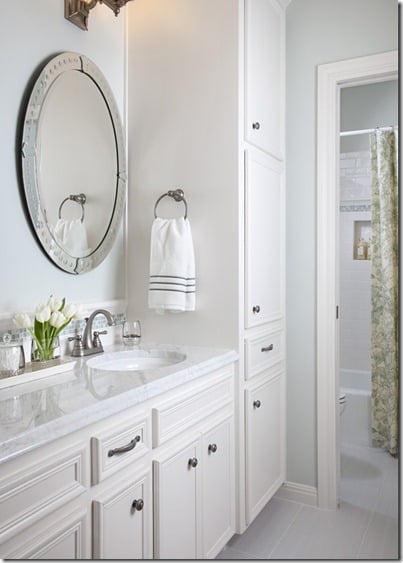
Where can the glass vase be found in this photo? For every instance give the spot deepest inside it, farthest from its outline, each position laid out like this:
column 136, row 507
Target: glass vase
column 45, row 353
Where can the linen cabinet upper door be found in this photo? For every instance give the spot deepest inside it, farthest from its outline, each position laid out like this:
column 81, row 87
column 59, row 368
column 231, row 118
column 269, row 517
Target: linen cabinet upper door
column 264, row 92
column 264, row 245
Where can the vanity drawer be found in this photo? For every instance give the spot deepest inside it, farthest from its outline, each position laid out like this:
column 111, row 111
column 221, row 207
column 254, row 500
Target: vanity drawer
column 186, row 409
column 41, row 487
column 262, row 351
column 118, row 446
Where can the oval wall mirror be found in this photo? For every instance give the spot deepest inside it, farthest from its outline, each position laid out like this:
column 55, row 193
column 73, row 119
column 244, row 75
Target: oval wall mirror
column 73, row 163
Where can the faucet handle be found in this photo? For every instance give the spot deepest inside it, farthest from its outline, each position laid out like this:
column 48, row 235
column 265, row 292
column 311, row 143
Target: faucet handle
column 78, row 348
column 96, row 341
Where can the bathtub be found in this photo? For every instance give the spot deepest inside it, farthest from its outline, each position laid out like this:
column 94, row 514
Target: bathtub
column 355, row 422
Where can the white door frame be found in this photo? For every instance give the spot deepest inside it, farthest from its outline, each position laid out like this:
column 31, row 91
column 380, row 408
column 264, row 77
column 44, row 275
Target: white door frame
column 331, row 78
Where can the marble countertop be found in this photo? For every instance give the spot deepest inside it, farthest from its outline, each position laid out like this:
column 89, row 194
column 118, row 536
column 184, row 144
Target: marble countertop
column 35, row 413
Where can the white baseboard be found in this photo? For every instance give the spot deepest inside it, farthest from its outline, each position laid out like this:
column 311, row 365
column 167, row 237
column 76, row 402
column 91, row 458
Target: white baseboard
column 298, row 493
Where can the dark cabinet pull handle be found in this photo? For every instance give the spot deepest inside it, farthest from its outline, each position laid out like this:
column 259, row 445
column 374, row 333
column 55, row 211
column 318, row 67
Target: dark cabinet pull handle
column 192, row 462
column 256, row 125
column 138, row 504
column 127, row 448
column 267, row 348
column 257, row 404
column 256, row 309
column 212, row 448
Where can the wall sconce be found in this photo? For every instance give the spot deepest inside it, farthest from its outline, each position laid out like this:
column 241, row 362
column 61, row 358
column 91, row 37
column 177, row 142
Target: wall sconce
column 78, row 11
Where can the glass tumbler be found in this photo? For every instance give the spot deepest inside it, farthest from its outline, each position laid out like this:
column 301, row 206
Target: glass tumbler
column 131, row 333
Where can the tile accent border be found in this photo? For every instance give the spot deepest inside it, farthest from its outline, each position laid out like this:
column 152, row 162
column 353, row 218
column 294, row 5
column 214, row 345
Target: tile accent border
column 351, row 207
column 18, row 335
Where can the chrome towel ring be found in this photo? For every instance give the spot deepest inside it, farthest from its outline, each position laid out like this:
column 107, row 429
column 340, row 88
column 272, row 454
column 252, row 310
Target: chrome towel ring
column 78, row 198
column 178, row 195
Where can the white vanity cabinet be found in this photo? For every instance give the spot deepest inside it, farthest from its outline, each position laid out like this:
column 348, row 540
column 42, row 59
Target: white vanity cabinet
column 264, row 75
column 176, row 503
column 43, row 503
column 194, row 483
column 155, row 480
column 122, row 519
column 194, row 495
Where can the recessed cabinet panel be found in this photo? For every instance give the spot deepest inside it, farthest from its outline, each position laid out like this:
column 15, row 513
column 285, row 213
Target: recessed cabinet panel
column 122, row 522
column 264, row 443
column 264, row 40
column 218, row 487
column 176, row 501
column 37, row 490
column 61, row 537
column 264, row 210
column 175, row 415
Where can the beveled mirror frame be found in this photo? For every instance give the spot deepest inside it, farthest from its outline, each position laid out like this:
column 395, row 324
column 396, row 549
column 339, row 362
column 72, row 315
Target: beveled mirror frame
column 66, row 62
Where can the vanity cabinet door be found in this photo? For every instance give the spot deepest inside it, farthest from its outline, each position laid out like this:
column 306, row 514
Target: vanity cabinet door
column 177, row 494
column 123, row 521
column 218, row 487
column 265, row 465
column 264, row 52
column 264, row 208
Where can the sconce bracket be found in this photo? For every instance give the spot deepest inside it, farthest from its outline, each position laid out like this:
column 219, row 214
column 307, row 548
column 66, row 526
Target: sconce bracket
column 77, row 11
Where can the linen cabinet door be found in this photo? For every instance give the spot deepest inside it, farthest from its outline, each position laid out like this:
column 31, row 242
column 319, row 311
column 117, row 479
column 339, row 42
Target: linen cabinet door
column 176, row 503
column 264, row 209
column 264, row 442
column 123, row 522
column 218, row 487
column 264, row 75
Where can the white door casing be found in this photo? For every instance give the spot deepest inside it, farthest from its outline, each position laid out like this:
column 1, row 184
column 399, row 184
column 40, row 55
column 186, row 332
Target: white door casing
column 331, row 78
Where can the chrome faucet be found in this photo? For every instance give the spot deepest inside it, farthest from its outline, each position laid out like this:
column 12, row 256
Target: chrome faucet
column 86, row 345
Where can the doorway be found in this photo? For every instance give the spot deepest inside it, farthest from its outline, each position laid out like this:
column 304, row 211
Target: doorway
column 331, row 78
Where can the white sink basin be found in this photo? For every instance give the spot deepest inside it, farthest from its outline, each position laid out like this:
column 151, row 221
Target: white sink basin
column 135, row 360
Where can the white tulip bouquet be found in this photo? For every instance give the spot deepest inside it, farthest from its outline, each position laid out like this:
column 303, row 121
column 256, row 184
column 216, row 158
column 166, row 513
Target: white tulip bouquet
column 50, row 319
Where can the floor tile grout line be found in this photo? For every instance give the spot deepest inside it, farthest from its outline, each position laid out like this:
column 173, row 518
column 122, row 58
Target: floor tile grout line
column 301, row 506
column 370, row 518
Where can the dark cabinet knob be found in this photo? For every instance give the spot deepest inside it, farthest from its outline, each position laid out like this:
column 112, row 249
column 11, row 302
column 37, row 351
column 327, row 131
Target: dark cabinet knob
column 138, row 504
column 257, row 404
column 212, row 448
column 193, row 462
column 256, row 309
column 256, row 126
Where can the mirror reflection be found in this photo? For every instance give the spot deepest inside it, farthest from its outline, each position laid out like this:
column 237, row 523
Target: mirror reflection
column 73, row 163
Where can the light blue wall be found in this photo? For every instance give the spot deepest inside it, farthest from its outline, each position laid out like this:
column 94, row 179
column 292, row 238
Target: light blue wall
column 318, row 31
column 30, row 33
column 365, row 107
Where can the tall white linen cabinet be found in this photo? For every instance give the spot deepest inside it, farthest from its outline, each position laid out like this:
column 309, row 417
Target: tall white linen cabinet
column 206, row 112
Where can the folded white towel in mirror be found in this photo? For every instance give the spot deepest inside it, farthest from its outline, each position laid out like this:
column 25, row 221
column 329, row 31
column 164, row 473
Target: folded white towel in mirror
column 172, row 266
column 71, row 235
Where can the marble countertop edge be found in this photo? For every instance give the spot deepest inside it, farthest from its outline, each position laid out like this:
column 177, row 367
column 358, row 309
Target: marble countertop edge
column 65, row 424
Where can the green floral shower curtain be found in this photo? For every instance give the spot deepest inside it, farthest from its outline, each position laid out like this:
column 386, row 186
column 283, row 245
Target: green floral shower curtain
column 384, row 290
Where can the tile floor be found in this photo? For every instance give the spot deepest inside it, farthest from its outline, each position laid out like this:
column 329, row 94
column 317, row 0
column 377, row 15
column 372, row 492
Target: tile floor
column 366, row 526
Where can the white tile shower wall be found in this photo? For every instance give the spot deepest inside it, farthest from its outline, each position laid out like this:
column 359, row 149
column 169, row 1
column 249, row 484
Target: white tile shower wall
column 355, row 275
column 355, row 176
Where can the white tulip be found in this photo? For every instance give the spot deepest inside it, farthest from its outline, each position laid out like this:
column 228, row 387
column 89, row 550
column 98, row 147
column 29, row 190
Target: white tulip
column 42, row 313
column 69, row 310
column 57, row 319
column 80, row 313
column 22, row 320
column 53, row 303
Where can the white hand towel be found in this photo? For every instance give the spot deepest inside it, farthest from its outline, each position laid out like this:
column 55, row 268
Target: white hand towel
column 71, row 235
column 172, row 266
